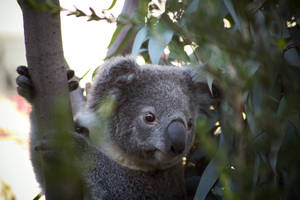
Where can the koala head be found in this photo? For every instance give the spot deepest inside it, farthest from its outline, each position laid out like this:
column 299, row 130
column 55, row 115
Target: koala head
column 154, row 114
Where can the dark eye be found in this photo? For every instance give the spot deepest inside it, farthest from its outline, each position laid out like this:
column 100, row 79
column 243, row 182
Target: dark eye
column 149, row 117
column 190, row 123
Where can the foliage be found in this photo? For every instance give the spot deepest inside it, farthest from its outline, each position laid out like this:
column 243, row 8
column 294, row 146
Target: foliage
column 250, row 49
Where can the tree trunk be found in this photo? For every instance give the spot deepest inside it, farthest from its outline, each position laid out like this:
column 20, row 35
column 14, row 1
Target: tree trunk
column 52, row 111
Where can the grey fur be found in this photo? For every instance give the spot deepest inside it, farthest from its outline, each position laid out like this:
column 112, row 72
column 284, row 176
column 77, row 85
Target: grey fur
column 131, row 158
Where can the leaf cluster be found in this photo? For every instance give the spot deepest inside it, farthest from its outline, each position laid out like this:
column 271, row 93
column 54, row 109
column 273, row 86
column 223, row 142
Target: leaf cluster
column 251, row 50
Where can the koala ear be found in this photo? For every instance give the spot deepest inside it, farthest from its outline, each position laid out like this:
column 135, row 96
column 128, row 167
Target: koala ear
column 117, row 71
column 112, row 76
column 207, row 102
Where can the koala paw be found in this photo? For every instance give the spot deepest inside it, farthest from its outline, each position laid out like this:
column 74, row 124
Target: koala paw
column 73, row 84
column 25, row 85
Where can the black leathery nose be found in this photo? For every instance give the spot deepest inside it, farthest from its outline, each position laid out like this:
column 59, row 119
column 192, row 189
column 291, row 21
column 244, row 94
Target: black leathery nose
column 176, row 134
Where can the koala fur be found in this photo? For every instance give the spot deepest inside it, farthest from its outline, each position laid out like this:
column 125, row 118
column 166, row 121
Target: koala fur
column 138, row 153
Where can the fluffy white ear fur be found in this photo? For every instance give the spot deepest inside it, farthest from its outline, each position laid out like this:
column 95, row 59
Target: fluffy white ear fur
column 86, row 118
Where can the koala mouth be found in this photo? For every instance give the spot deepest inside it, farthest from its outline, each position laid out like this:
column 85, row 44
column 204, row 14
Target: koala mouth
column 162, row 156
column 162, row 160
column 173, row 148
column 165, row 159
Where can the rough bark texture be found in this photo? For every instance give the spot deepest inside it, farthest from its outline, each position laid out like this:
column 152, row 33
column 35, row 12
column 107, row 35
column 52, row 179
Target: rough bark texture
column 47, row 68
column 130, row 7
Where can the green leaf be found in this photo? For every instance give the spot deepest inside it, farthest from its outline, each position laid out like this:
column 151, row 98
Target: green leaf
column 193, row 7
column 232, row 12
column 209, row 82
column 113, row 3
column 257, row 99
column 275, row 147
column 292, row 57
column 282, row 106
column 140, row 38
column 251, row 120
column 37, row 197
column 116, row 33
column 157, row 45
column 208, row 179
column 85, row 74
column 131, row 32
column 223, row 10
column 256, row 5
column 255, row 171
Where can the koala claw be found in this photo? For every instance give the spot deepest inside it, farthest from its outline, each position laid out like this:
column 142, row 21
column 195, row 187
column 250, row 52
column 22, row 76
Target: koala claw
column 73, row 85
column 27, row 94
column 23, row 70
column 25, row 86
column 24, row 81
column 70, row 74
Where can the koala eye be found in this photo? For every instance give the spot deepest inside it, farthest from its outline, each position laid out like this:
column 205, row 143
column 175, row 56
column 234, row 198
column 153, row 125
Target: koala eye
column 149, row 117
column 190, row 123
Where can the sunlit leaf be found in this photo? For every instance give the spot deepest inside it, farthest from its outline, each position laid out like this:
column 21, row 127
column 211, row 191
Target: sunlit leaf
column 115, row 35
column 210, row 82
column 157, row 45
column 140, row 38
column 130, row 34
column 232, row 12
column 113, row 3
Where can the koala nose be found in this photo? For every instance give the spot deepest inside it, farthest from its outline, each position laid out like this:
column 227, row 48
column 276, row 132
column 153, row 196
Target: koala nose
column 176, row 134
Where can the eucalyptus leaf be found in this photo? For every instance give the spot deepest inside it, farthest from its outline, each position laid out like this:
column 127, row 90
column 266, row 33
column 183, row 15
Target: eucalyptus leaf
column 255, row 171
column 112, row 5
column 223, row 10
column 292, row 56
column 208, row 179
column 258, row 94
column 232, row 12
column 275, row 147
column 193, row 7
column 210, row 82
column 140, row 38
column 157, row 45
column 251, row 121
column 115, row 34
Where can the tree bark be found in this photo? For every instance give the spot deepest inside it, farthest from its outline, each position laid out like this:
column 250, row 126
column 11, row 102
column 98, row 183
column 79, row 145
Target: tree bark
column 52, row 108
column 52, row 111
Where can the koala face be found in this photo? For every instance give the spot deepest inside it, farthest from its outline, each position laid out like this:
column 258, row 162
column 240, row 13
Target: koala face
column 154, row 117
column 156, row 106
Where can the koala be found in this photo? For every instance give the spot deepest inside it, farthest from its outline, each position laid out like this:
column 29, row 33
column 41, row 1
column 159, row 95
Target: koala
column 137, row 153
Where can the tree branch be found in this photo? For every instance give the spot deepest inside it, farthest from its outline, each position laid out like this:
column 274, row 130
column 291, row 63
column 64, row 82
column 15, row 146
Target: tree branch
column 130, row 7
